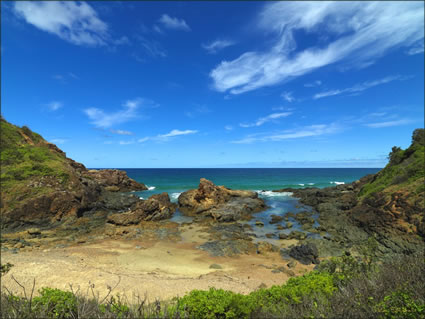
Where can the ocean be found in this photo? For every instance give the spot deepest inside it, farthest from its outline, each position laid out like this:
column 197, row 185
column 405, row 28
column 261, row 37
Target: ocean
column 262, row 180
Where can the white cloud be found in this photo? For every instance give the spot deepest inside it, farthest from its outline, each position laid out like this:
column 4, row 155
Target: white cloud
column 151, row 47
column 288, row 96
column 313, row 84
column 217, row 45
column 173, row 23
column 177, row 133
column 167, row 136
column 364, row 31
column 268, row 118
column 358, row 87
column 126, row 142
column 105, row 120
column 307, row 131
column 419, row 48
column 121, row 132
column 144, row 139
column 75, row 22
column 55, row 105
column 228, row 127
column 389, row 123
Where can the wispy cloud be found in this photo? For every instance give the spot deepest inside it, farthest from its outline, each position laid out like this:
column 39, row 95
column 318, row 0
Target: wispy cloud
column 217, row 45
column 121, row 132
column 75, row 22
column 313, row 84
column 418, row 48
column 151, row 47
column 55, row 105
column 358, row 87
column 288, row 96
column 199, row 110
column 228, row 127
column 360, row 33
column 102, row 119
column 307, row 131
column 173, row 23
column 167, row 136
column 268, row 118
column 126, row 142
column 389, row 123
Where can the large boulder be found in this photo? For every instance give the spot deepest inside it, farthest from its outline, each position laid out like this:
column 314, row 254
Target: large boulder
column 157, row 207
column 305, row 254
column 219, row 202
column 115, row 180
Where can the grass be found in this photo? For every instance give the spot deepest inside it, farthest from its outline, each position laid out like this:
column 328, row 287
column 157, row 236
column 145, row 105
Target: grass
column 26, row 160
column 342, row 287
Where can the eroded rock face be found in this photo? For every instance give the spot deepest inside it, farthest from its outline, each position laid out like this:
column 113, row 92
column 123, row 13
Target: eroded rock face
column 219, row 202
column 115, row 180
column 157, row 207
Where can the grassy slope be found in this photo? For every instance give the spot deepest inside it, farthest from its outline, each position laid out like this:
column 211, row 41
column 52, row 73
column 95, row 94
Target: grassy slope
column 30, row 166
column 404, row 173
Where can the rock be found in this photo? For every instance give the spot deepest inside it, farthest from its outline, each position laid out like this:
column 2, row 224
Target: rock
column 259, row 223
column 283, row 236
column 297, row 235
column 19, row 245
column 157, row 207
column 115, row 180
column 215, row 266
column 269, row 235
column 306, row 254
column 276, row 219
column 292, row 264
column 34, row 231
column 289, row 225
column 219, row 202
column 264, row 247
column 228, row 248
column 280, row 227
column 112, row 188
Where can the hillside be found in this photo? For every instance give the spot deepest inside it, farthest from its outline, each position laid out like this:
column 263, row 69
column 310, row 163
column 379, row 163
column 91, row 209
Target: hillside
column 40, row 184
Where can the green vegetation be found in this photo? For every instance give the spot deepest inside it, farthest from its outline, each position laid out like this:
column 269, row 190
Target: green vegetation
column 404, row 172
column 342, row 287
column 26, row 159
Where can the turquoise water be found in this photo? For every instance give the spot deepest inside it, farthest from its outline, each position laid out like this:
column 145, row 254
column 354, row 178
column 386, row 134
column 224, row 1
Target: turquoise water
column 262, row 180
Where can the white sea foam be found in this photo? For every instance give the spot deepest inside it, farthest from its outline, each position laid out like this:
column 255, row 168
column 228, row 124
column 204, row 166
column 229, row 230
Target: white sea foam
column 151, row 188
column 338, row 183
column 175, row 195
column 310, row 183
column 301, row 184
column 141, row 197
column 274, row 194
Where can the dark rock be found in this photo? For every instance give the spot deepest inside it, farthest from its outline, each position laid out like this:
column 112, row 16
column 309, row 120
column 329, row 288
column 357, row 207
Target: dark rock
column 115, row 180
column 219, row 202
column 292, row 264
column 276, row 219
column 156, row 207
column 306, row 254
column 215, row 266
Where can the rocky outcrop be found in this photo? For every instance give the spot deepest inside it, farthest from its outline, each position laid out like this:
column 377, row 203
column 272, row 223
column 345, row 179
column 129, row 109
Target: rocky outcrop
column 219, row 202
column 306, row 254
column 115, row 180
column 41, row 186
column 157, row 207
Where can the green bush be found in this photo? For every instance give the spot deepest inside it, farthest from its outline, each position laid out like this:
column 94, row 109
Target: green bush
column 400, row 304
column 116, row 307
column 215, row 303
column 57, row 303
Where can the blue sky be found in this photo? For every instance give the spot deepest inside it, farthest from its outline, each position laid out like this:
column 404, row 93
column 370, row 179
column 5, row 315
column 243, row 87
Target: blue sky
column 216, row 84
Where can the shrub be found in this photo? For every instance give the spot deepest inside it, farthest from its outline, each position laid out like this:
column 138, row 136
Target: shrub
column 400, row 304
column 56, row 302
column 215, row 303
